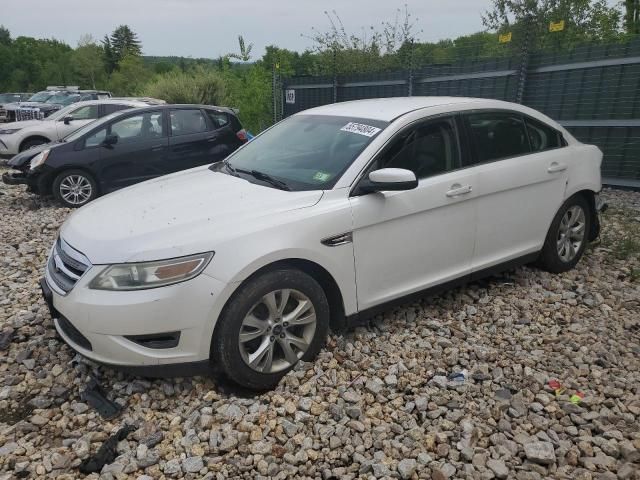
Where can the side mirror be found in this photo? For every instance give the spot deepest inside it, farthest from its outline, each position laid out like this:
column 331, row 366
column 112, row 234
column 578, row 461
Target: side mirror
column 68, row 119
column 110, row 140
column 388, row 179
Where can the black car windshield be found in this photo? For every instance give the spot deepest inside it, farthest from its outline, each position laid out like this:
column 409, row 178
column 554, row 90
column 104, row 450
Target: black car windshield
column 305, row 152
column 40, row 97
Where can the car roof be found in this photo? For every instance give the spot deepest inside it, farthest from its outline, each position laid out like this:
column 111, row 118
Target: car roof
column 388, row 109
column 109, row 101
column 175, row 106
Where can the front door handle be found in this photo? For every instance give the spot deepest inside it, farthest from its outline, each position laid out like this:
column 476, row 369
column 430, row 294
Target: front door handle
column 556, row 167
column 457, row 189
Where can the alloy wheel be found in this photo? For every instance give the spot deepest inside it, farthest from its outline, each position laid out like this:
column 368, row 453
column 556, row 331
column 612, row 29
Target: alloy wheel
column 571, row 233
column 75, row 189
column 277, row 331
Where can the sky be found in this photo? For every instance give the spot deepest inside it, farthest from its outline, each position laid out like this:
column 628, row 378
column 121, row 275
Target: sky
column 210, row 28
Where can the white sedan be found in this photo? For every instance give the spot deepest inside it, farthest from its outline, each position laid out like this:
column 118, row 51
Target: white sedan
column 17, row 137
column 322, row 220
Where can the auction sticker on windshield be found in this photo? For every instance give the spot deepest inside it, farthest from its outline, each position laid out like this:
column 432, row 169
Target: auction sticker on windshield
column 360, row 129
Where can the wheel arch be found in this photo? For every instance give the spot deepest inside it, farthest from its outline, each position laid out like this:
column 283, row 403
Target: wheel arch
column 590, row 197
column 33, row 137
column 318, row 273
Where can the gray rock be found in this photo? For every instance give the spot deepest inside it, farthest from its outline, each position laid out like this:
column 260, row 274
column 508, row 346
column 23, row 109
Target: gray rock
column 407, row 467
column 498, row 467
column 540, row 452
column 192, row 464
column 172, row 467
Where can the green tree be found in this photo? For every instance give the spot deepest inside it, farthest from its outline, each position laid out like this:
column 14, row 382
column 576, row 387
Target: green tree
column 201, row 85
column 108, row 55
column 129, row 77
column 632, row 16
column 124, row 42
column 585, row 20
column 87, row 62
column 5, row 36
column 245, row 51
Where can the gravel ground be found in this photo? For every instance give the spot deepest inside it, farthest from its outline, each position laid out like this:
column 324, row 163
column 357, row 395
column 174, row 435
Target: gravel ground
column 376, row 403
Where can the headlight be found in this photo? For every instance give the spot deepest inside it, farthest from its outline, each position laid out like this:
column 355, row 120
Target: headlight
column 139, row 276
column 8, row 131
column 39, row 159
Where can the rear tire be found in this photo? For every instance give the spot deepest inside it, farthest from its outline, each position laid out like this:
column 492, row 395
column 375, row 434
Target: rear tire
column 567, row 237
column 74, row 188
column 270, row 323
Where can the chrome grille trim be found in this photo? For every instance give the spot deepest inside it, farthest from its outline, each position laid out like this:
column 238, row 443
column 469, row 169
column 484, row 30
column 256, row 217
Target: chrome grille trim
column 65, row 266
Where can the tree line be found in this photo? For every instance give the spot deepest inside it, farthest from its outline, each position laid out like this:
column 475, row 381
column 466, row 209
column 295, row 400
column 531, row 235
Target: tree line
column 115, row 62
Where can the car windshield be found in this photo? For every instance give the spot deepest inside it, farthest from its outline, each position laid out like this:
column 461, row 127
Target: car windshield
column 72, row 137
column 9, row 97
column 40, row 97
column 305, row 152
column 61, row 113
column 62, row 98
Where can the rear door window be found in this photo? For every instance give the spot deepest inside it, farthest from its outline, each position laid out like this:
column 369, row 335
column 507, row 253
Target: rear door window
column 187, row 121
column 498, row 135
column 218, row 119
column 541, row 136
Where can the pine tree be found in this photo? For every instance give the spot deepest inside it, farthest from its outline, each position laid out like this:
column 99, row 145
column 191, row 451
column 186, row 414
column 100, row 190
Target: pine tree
column 110, row 60
column 124, row 41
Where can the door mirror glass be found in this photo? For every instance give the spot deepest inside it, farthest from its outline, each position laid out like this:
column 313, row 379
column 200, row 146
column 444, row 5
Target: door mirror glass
column 68, row 119
column 110, row 140
column 389, row 179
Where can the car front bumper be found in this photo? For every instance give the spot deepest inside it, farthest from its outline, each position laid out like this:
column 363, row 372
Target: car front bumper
column 119, row 328
column 8, row 146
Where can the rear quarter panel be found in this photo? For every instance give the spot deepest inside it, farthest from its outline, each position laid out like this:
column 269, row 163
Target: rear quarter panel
column 584, row 169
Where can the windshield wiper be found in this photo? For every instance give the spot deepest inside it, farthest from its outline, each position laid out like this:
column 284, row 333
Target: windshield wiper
column 265, row 177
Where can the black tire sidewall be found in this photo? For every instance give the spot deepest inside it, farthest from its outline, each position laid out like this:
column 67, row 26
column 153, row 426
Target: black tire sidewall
column 549, row 258
column 225, row 351
column 58, row 180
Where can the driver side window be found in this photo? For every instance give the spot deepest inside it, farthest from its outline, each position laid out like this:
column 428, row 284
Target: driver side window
column 88, row 112
column 428, row 149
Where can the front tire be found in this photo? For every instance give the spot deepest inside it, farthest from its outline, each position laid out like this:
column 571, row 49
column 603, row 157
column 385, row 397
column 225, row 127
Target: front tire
column 74, row 188
column 567, row 237
column 270, row 323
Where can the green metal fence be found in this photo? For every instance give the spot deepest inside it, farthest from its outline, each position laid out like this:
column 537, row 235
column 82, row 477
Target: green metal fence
column 594, row 91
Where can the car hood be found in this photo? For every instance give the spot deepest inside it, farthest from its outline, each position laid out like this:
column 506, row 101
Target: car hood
column 176, row 215
column 25, row 124
column 25, row 156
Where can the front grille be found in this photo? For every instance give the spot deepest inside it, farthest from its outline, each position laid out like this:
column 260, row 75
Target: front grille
column 66, row 265
column 73, row 333
column 29, row 114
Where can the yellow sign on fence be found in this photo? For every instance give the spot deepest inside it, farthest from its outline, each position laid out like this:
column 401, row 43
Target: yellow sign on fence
column 505, row 38
column 557, row 26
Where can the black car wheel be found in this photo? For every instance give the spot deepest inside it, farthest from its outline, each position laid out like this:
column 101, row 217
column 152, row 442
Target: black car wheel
column 568, row 236
column 74, row 188
column 270, row 323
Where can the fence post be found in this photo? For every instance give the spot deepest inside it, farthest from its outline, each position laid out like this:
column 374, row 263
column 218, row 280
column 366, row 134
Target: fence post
column 410, row 78
column 274, row 93
column 524, row 60
column 335, row 77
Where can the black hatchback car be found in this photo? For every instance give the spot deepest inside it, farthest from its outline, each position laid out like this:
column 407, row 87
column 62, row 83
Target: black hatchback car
column 126, row 148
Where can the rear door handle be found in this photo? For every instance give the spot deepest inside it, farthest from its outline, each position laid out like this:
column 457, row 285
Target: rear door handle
column 157, row 148
column 213, row 138
column 457, row 189
column 556, row 167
